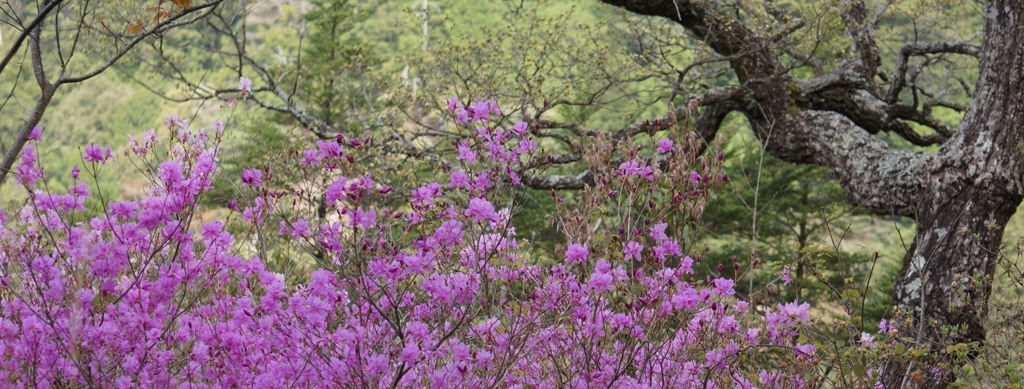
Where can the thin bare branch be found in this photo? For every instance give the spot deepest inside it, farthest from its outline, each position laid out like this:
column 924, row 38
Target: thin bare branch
column 27, row 30
column 919, row 49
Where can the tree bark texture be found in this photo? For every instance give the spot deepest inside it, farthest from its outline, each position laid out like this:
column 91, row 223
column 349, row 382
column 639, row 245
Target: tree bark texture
column 961, row 197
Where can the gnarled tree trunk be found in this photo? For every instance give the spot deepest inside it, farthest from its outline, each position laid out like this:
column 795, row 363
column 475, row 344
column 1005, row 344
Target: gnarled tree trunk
column 972, row 188
column 961, row 197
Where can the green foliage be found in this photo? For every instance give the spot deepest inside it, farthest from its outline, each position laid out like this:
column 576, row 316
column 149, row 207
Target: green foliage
column 105, row 112
column 526, row 55
column 256, row 143
column 334, row 66
column 792, row 216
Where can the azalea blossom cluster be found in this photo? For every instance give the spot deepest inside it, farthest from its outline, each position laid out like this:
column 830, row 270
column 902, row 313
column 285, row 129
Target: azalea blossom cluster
column 438, row 292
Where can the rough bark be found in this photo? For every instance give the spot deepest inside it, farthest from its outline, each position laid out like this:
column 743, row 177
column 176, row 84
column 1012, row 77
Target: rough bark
column 974, row 187
column 961, row 197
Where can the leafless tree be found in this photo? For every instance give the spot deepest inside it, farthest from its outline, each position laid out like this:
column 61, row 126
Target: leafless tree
column 58, row 29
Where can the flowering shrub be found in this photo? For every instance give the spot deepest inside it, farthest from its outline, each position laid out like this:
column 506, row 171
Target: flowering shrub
column 436, row 293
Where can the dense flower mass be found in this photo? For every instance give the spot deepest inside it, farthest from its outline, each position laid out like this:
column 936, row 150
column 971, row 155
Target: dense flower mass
column 437, row 293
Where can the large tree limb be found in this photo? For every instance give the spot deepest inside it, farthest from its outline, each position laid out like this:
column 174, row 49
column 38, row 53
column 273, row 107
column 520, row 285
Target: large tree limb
column 828, row 139
column 874, row 177
column 848, row 94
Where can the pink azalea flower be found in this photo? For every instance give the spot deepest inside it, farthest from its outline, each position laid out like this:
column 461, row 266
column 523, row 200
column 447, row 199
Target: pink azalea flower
column 245, row 85
column 724, row 286
column 252, row 177
column 665, row 146
column 694, row 177
column 576, row 253
column 632, row 251
column 36, row 134
column 94, row 153
column 481, row 209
